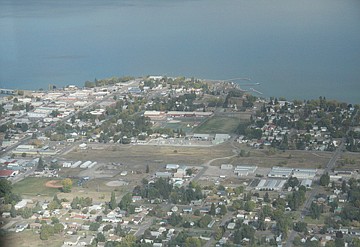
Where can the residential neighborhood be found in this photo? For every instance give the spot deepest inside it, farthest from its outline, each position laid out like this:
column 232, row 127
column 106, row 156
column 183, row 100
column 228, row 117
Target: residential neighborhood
column 162, row 161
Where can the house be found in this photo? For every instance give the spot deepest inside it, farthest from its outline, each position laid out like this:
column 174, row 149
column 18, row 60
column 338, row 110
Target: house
column 155, row 234
column 231, row 226
column 8, row 173
column 83, row 146
column 86, row 241
column 5, row 215
column 187, row 210
column 163, row 174
column 22, row 203
column 210, row 225
column 136, row 198
column 71, row 240
column 170, row 167
column 21, row 227
column 137, row 220
column 226, row 167
column 35, row 225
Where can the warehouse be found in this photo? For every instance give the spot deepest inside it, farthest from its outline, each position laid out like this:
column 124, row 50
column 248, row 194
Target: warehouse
column 226, row 167
column 270, row 184
column 280, row 172
column 304, row 173
column 245, row 170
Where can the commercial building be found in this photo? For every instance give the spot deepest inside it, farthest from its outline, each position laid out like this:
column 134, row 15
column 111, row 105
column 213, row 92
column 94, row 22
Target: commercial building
column 245, row 170
column 226, row 167
column 280, row 172
column 304, row 173
column 271, row 184
column 220, row 138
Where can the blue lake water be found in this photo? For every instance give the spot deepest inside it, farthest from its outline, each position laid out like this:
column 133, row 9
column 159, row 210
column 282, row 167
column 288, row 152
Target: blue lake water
column 298, row 49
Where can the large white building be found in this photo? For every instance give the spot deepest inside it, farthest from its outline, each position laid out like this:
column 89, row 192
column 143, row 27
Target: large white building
column 245, row 170
column 270, row 184
column 280, row 172
column 304, row 173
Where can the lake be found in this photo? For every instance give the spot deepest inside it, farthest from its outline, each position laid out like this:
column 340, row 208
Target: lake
column 297, row 49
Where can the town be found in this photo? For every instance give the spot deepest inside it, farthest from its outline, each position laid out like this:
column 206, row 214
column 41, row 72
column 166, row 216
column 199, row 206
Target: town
column 175, row 161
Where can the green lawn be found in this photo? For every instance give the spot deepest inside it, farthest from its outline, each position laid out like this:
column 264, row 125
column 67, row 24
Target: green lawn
column 34, row 186
column 218, row 125
column 312, row 221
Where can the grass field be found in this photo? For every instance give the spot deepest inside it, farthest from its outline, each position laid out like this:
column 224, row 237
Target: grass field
column 187, row 124
column 218, row 125
column 34, row 186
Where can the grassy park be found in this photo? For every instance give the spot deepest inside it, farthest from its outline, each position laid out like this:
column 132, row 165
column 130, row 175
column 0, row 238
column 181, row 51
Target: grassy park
column 34, row 186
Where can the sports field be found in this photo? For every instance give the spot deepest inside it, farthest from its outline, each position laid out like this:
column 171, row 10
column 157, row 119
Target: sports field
column 34, row 186
column 218, row 125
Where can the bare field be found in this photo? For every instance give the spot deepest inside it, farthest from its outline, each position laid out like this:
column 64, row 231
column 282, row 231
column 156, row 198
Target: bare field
column 137, row 157
column 29, row 238
column 352, row 164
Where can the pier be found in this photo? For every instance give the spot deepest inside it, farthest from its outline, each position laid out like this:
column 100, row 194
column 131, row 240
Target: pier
column 256, row 91
column 7, row 91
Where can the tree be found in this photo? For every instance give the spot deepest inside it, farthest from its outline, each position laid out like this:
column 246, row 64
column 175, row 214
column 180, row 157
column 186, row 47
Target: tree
column 13, row 211
column 300, row 227
column 189, row 172
column 325, row 179
column 175, row 219
column 223, row 209
column 344, row 187
column 128, row 240
column 249, row 206
column 46, row 231
column 58, row 228
column 204, row 221
column 107, row 227
column 212, row 209
column 315, row 211
column 192, row 242
column 5, row 187
column 112, row 203
column 266, row 197
column 44, row 234
column 94, row 226
column 293, row 181
column 218, row 233
column 197, row 212
column 40, row 165
column 339, row 242
column 125, row 201
column 100, row 237
column 66, row 185
column 54, row 220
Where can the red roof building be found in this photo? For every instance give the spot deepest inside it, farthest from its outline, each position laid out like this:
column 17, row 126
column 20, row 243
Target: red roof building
column 7, row 173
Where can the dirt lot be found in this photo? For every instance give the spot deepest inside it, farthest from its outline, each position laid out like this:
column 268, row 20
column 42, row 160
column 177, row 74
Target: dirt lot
column 53, row 184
